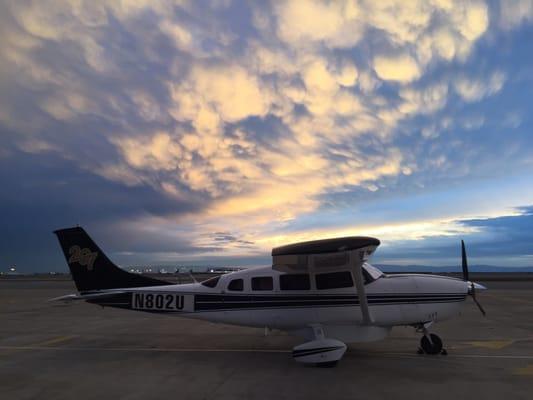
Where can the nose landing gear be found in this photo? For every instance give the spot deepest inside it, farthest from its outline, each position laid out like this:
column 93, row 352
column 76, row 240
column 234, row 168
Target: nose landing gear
column 430, row 343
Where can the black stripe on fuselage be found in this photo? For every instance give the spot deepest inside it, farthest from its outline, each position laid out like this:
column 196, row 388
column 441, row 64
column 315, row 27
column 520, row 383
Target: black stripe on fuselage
column 224, row 302
column 244, row 302
column 201, row 298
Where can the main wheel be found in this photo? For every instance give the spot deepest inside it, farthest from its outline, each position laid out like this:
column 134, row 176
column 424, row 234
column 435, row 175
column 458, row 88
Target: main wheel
column 431, row 347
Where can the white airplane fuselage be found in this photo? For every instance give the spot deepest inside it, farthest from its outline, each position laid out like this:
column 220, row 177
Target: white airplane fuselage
column 406, row 299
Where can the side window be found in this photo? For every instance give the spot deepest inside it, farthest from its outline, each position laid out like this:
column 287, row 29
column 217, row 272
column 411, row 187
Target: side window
column 334, row 280
column 211, row 282
column 236, row 284
column 262, row 283
column 294, row 282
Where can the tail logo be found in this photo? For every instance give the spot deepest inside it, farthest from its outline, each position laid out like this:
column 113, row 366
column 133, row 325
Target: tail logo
column 85, row 257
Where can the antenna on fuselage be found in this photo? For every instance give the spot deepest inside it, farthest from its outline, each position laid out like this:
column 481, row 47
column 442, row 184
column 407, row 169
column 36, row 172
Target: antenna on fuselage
column 192, row 276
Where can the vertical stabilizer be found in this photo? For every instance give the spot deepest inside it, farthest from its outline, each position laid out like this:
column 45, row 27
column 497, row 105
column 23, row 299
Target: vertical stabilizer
column 90, row 267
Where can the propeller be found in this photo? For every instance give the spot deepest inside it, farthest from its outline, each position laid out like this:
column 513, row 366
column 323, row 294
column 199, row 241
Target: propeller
column 472, row 290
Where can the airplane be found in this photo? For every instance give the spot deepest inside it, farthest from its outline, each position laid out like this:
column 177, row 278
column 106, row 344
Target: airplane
column 324, row 291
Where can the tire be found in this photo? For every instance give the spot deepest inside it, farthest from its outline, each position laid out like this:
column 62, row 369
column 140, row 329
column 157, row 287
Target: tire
column 433, row 347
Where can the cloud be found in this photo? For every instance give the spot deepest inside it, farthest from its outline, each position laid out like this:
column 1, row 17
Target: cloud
column 347, row 75
column 512, row 120
column 473, row 122
column 430, row 30
column 158, row 152
column 424, row 101
column 475, row 89
column 397, row 234
column 317, row 78
column 333, row 23
column 230, row 90
column 476, row 20
column 402, row 68
column 507, row 234
column 172, row 154
column 515, row 12
column 245, row 115
column 36, row 146
column 67, row 106
column 57, row 193
column 502, row 241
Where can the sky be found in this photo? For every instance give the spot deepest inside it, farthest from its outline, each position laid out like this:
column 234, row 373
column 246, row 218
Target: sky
column 208, row 132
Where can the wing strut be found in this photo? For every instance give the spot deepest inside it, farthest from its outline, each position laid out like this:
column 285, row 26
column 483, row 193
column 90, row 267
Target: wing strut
column 360, row 285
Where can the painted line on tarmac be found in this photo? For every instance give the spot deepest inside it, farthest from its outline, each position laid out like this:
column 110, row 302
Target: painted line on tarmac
column 147, row 349
column 56, row 340
column 440, row 357
column 200, row 350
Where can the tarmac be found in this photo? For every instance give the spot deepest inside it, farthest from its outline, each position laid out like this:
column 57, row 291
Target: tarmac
column 81, row 351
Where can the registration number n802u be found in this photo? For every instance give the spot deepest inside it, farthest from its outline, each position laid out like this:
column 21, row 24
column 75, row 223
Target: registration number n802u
column 156, row 301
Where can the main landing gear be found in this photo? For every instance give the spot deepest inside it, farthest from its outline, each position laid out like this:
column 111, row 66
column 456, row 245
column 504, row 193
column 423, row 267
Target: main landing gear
column 430, row 343
column 321, row 352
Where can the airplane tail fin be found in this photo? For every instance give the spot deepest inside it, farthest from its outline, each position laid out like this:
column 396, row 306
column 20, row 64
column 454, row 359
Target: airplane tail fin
column 90, row 267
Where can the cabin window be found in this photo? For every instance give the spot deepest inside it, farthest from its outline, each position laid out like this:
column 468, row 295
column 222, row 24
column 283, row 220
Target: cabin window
column 236, row 284
column 294, row 282
column 334, row 280
column 211, row 282
column 262, row 283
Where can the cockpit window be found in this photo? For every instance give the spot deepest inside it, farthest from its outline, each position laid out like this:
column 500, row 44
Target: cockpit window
column 211, row 282
column 372, row 271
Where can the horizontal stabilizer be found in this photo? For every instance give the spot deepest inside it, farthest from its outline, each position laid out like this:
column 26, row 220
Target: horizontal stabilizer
column 74, row 297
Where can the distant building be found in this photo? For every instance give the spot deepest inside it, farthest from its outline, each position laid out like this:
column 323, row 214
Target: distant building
column 12, row 270
column 223, row 270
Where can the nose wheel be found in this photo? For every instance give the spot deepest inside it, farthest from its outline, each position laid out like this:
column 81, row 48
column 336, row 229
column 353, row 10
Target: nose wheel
column 429, row 343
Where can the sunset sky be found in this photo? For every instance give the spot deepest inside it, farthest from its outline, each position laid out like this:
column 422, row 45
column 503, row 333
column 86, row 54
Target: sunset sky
column 208, row 132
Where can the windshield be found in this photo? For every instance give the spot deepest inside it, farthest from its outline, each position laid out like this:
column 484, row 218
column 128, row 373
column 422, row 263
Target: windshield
column 211, row 282
column 372, row 271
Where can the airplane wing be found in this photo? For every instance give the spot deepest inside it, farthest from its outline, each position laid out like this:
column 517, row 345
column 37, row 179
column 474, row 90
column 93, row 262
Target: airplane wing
column 326, row 256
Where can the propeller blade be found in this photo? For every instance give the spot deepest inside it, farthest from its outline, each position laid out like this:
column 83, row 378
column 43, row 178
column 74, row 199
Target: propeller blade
column 472, row 291
column 480, row 308
column 478, row 304
column 465, row 263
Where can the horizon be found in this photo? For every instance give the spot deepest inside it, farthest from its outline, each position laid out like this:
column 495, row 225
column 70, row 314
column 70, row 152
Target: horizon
column 204, row 268
column 214, row 131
